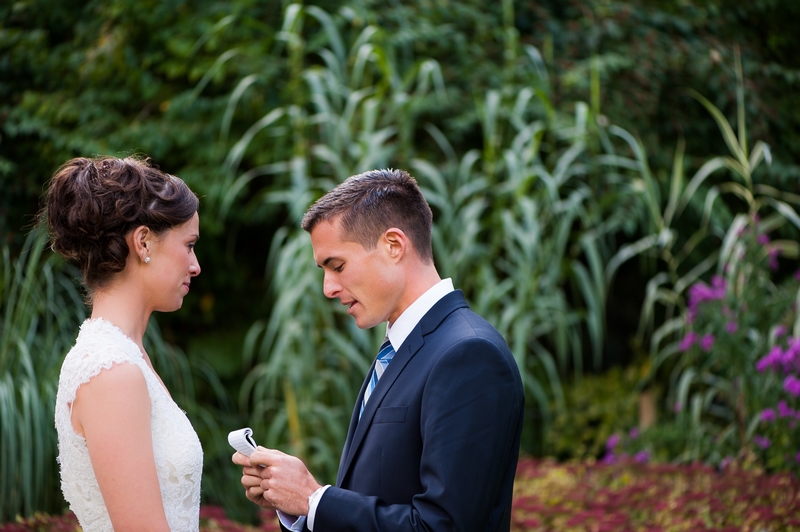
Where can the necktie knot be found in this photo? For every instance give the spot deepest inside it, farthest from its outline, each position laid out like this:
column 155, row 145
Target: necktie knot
column 386, row 353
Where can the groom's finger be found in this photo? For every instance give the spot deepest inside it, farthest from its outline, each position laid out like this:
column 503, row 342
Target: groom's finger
column 257, row 472
column 240, row 459
column 252, row 484
column 264, row 457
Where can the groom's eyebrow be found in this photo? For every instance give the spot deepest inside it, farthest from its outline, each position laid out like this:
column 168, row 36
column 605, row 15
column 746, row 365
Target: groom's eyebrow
column 326, row 261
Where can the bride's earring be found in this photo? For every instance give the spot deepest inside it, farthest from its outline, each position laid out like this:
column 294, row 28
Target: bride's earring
column 146, row 260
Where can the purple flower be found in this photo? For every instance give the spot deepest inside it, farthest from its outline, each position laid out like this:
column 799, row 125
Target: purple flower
column 634, row 433
column 798, row 457
column 608, row 459
column 768, row 414
column 717, row 290
column 731, row 327
column 677, row 407
column 761, row 441
column 773, row 258
column 770, row 360
column 641, row 457
column 701, row 292
column 792, row 385
column 725, row 462
column 790, row 359
column 707, row 342
column 797, row 275
column 612, row 442
column 688, row 340
column 780, row 330
column 763, row 239
column 785, row 410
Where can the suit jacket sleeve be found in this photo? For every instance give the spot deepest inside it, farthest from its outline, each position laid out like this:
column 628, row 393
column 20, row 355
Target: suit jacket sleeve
column 469, row 421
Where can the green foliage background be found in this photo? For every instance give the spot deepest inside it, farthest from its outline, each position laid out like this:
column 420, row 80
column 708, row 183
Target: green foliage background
column 547, row 136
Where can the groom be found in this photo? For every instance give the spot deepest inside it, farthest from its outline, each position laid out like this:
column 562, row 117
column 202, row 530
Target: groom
column 434, row 436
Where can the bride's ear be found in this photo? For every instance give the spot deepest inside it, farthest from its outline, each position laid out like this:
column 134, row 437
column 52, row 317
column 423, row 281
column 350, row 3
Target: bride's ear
column 140, row 243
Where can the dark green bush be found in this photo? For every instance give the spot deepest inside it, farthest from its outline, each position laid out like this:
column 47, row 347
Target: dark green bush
column 596, row 406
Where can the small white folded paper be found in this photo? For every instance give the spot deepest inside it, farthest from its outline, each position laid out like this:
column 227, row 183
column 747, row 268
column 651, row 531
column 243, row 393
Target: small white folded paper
column 242, row 440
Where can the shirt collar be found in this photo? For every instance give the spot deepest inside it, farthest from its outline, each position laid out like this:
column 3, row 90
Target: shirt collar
column 403, row 325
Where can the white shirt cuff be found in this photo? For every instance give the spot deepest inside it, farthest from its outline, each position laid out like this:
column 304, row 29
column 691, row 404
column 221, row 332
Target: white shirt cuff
column 313, row 502
column 291, row 522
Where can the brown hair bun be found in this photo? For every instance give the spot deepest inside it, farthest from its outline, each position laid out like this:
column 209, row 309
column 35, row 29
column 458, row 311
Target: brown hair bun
column 92, row 204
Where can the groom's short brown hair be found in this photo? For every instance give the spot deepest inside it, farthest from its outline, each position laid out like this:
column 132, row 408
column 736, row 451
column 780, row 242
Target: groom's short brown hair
column 370, row 203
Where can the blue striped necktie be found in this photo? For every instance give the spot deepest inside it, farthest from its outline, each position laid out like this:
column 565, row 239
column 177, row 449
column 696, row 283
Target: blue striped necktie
column 381, row 363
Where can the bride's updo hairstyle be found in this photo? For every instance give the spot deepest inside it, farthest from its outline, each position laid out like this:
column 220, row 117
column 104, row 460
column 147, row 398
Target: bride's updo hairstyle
column 92, row 204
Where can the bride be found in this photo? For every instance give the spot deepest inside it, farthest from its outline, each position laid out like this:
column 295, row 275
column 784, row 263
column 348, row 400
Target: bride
column 130, row 459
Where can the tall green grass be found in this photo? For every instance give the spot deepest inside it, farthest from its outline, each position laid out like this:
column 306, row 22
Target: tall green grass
column 515, row 234
column 41, row 309
column 524, row 226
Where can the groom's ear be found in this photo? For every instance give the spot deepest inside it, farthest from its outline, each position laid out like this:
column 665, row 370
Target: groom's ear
column 395, row 243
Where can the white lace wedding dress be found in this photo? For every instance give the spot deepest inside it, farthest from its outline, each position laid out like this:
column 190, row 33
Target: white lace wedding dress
column 177, row 450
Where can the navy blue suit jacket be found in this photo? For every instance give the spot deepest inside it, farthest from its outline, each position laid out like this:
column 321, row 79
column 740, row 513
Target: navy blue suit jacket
column 437, row 445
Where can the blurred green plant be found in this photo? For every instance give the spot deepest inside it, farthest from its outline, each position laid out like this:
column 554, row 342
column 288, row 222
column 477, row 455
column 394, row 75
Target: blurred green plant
column 39, row 314
column 733, row 383
column 521, row 231
column 706, row 339
column 729, row 328
column 596, row 406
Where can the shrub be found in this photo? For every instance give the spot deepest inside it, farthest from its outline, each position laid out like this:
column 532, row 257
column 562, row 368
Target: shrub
column 628, row 496
column 737, row 373
column 595, row 406
column 713, row 311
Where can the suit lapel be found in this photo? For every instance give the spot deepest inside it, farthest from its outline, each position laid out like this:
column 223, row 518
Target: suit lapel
column 353, row 424
column 411, row 346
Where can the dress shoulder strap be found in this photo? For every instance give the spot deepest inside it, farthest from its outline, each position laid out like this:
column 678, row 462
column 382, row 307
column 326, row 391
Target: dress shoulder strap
column 99, row 345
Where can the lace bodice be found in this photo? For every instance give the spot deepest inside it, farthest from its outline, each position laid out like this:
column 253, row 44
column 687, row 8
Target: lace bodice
column 177, row 450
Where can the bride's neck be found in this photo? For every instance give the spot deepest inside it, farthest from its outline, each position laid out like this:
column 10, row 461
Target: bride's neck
column 124, row 308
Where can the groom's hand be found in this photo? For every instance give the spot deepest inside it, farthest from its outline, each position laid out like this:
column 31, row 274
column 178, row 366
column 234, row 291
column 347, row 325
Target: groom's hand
column 251, row 480
column 286, row 483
